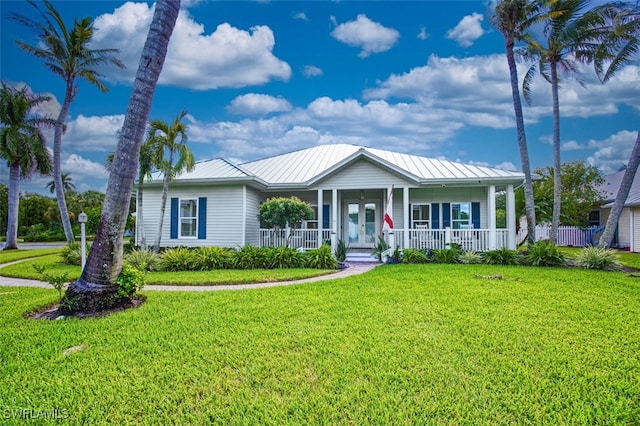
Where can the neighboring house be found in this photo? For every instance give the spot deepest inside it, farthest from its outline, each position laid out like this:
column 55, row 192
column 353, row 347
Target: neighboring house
column 627, row 234
column 432, row 202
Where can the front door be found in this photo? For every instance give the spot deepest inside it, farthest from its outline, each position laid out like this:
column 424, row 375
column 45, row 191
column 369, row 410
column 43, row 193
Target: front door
column 362, row 219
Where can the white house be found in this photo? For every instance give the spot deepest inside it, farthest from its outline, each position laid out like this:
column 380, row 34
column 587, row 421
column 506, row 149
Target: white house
column 432, row 202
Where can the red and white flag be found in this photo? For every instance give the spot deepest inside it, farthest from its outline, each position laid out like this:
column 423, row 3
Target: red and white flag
column 388, row 220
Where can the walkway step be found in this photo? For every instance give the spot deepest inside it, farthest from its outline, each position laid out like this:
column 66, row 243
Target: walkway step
column 361, row 258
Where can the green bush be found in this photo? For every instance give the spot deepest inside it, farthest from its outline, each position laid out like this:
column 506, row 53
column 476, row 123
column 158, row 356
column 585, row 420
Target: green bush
column 177, row 259
column 144, row 260
column 284, row 257
column 470, row 257
column 130, row 281
column 449, row 255
column 341, row 251
column 249, row 257
column 598, row 258
column 414, row 256
column 321, row 258
column 544, row 253
column 503, row 256
column 38, row 233
column 210, row 258
column 71, row 254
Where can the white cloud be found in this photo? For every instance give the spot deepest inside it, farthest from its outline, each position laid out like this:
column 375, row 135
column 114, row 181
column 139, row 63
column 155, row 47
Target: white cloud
column 370, row 36
column 612, row 152
column 76, row 165
column 468, row 30
column 228, row 57
column 311, row 71
column 505, row 165
column 258, row 104
column 423, row 35
column 301, row 15
column 95, row 133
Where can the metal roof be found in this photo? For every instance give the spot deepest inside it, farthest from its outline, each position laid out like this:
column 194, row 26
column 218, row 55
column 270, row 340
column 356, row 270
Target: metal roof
column 306, row 166
column 611, row 186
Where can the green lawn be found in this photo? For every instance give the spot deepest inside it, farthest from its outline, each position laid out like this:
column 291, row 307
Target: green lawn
column 53, row 264
column 402, row 344
column 7, row 256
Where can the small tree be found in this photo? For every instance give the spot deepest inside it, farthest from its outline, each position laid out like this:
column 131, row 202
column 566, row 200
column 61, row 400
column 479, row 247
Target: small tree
column 280, row 212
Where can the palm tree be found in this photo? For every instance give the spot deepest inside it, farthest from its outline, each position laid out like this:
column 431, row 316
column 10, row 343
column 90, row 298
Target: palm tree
column 67, row 184
column 169, row 139
column 66, row 54
column 513, row 18
column 570, row 37
column 96, row 289
column 23, row 145
column 623, row 25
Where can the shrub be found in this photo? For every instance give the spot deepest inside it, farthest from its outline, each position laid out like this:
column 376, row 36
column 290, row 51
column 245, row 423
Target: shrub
column 177, row 259
column 249, row 257
column 72, row 255
column 447, row 255
column 503, row 256
column 597, row 258
column 380, row 248
column 284, row 257
column 209, row 258
column 144, row 260
column 58, row 281
column 341, row 251
column 469, row 257
column 321, row 258
column 544, row 253
column 414, row 256
column 130, row 281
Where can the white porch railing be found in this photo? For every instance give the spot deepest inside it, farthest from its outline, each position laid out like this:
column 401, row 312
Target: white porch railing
column 295, row 238
column 567, row 236
column 468, row 239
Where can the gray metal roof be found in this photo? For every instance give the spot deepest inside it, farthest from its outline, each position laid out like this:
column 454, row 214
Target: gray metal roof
column 306, row 166
column 611, row 186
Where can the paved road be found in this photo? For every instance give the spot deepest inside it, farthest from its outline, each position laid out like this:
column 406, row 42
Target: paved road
column 353, row 269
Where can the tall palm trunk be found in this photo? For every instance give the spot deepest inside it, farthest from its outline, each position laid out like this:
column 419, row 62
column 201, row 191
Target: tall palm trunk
column 12, row 214
column 57, row 170
column 529, row 204
column 142, row 236
column 96, row 289
column 163, row 203
column 621, row 197
column 557, row 178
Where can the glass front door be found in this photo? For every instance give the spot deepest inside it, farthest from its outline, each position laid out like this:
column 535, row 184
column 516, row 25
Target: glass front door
column 362, row 221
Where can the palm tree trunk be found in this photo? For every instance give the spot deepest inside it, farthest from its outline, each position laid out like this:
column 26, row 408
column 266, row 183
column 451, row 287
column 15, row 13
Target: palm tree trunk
column 139, row 219
column 57, row 170
column 163, row 203
column 557, row 178
column 96, row 289
column 621, row 197
column 529, row 204
column 14, row 201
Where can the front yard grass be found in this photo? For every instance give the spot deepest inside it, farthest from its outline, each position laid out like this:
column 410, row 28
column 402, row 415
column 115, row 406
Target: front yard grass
column 54, row 265
column 7, row 256
column 402, row 344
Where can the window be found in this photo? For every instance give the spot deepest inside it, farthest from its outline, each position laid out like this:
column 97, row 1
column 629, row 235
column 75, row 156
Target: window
column 460, row 215
column 311, row 223
column 189, row 218
column 594, row 218
column 420, row 215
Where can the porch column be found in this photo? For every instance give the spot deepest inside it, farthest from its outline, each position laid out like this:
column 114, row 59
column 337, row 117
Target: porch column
column 320, row 217
column 491, row 216
column 632, row 245
column 405, row 216
column 334, row 220
column 511, row 218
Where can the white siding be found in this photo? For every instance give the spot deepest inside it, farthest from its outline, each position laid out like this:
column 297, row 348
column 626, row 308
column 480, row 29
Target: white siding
column 224, row 216
column 362, row 174
column 624, row 230
column 452, row 195
column 636, row 229
column 252, row 223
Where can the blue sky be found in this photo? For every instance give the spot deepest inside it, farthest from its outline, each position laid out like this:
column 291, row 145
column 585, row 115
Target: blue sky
column 261, row 78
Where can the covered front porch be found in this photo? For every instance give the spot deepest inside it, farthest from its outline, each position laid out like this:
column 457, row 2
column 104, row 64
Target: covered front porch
column 433, row 218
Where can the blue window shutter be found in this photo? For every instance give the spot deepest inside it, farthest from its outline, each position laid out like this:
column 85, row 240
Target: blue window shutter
column 326, row 219
column 174, row 218
column 410, row 217
column 202, row 218
column 475, row 215
column 435, row 216
column 446, row 215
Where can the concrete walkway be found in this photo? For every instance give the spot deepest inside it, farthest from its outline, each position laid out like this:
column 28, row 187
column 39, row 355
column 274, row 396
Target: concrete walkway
column 353, row 269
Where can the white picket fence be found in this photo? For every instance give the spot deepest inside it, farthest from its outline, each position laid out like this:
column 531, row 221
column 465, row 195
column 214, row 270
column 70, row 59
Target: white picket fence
column 567, row 236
